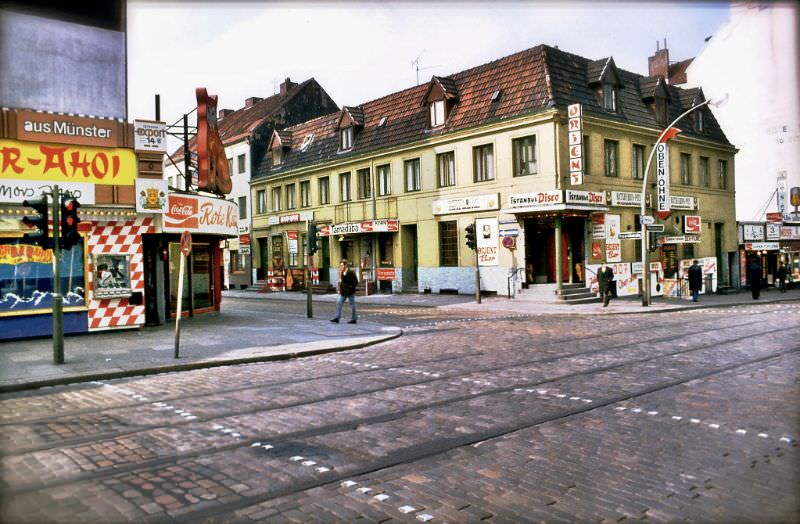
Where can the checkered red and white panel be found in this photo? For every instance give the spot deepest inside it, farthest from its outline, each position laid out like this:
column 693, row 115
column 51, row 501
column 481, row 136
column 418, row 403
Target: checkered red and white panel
column 118, row 238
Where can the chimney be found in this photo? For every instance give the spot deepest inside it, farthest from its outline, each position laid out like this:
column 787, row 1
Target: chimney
column 658, row 64
column 250, row 102
column 286, row 86
column 222, row 113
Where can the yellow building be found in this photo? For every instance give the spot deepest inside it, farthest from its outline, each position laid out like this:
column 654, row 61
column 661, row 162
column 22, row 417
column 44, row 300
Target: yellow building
column 404, row 175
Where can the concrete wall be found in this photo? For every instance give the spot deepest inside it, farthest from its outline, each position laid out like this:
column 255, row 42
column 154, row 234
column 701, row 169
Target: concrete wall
column 63, row 67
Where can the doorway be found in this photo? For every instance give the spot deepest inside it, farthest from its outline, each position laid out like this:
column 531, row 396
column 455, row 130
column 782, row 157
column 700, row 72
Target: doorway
column 410, row 257
column 540, row 249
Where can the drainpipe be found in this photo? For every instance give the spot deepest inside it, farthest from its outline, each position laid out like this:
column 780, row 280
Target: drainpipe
column 374, row 188
column 559, row 257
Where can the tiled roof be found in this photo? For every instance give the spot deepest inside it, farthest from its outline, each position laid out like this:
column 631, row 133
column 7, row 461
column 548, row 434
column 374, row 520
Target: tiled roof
column 449, row 86
column 236, row 126
column 356, row 113
column 677, row 71
column 285, row 137
column 530, row 81
column 649, row 86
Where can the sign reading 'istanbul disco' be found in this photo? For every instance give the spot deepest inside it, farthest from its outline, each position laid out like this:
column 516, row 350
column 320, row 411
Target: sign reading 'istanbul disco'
column 199, row 214
column 67, row 163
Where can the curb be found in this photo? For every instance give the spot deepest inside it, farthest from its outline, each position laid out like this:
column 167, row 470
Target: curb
column 204, row 364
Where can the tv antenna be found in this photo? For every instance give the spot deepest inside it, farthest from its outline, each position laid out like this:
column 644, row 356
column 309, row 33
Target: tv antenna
column 417, row 68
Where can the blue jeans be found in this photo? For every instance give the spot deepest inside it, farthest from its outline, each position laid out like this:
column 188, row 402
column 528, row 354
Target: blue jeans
column 695, row 295
column 340, row 302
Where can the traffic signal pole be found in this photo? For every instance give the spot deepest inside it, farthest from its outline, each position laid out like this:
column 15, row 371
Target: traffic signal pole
column 58, row 300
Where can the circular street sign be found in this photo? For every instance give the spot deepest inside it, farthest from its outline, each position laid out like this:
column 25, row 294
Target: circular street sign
column 508, row 242
column 186, row 243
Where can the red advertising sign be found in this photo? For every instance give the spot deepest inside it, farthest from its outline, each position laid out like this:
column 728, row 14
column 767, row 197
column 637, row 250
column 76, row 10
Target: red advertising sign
column 182, row 212
column 385, row 273
column 691, row 225
column 774, row 217
column 244, row 240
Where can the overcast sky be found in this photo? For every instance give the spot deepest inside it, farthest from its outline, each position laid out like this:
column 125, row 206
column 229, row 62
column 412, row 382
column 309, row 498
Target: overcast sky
column 364, row 50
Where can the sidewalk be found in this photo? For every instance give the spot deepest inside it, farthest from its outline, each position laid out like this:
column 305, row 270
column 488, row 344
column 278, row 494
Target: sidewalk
column 239, row 336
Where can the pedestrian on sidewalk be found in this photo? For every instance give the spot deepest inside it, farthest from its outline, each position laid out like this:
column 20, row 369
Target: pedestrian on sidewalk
column 695, row 280
column 754, row 276
column 781, row 275
column 605, row 279
column 347, row 291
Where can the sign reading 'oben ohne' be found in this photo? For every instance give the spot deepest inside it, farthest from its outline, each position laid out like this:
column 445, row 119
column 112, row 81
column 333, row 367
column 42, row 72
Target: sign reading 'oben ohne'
column 662, row 179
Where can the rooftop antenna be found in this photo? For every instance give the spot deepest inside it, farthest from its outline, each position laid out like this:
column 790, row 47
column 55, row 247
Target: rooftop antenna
column 417, row 68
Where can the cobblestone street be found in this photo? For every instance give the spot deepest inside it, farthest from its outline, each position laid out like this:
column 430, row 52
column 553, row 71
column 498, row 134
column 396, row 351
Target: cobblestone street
column 685, row 415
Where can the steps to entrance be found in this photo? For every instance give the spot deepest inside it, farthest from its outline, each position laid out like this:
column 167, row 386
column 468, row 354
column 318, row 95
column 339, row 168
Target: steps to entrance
column 569, row 294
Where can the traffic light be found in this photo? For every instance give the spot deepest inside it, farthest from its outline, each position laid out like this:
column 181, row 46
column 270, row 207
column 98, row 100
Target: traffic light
column 653, row 241
column 69, row 221
column 311, row 238
column 40, row 221
column 470, row 236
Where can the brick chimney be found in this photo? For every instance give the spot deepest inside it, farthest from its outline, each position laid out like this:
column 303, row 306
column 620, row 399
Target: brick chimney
column 250, row 102
column 286, row 86
column 658, row 64
column 222, row 113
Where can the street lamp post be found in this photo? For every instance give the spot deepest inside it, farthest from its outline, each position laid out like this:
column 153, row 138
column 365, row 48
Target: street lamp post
column 645, row 235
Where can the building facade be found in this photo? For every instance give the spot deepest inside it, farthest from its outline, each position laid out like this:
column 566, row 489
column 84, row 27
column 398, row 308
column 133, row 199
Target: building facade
column 392, row 184
column 244, row 134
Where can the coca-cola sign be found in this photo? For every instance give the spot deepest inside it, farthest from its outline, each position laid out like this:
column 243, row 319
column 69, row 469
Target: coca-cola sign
column 199, row 214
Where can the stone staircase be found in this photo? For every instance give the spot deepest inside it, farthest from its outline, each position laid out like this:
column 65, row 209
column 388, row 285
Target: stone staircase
column 569, row 294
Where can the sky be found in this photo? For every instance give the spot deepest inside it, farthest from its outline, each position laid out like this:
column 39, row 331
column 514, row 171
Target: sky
column 360, row 51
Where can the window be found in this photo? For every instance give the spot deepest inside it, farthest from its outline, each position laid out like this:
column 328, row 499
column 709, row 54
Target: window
column 661, row 111
column 290, row 197
column 307, row 142
column 344, row 187
column 112, row 275
column 324, row 191
column 483, row 163
column 611, row 148
column 238, row 262
column 261, row 201
column 686, row 175
column 241, row 163
column 277, row 156
column 411, row 168
column 384, row 180
column 524, row 150
column 609, row 97
column 585, row 153
column 699, row 120
column 242, row 207
column 305, row 193
column 722, row 174
column 26, row 276
column 446, row 169
column 364, row 183
column 276, row 199
column 638, row 162
column 437, row 113
column 345, row 138
column 230, row 166
column 448, row 244
column 704, row 181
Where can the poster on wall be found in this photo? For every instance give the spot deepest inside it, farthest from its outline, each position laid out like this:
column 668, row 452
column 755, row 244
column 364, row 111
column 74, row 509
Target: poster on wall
column 151, row 195
column 486, row 233
column 598, row 226
column 627, row 282
column 613, row 244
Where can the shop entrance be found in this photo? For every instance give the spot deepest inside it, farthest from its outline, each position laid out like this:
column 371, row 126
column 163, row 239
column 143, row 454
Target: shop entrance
column 540, row 250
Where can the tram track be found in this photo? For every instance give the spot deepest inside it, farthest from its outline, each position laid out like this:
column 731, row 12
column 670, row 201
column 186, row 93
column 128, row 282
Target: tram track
column 411, row 410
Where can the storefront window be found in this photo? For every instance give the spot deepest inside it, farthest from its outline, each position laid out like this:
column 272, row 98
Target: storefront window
column 112, row 275
column 26, row 276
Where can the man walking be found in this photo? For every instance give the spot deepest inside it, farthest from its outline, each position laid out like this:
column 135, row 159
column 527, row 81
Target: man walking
column 781, row 276
column 754, row 277
column 605, row 279
column 695, row 280
column 347, row 291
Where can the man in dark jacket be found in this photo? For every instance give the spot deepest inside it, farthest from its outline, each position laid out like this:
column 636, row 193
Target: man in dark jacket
column 605, row 279
column 347, row 291
column 781, row 275
column 695, row 280
column 754, row 277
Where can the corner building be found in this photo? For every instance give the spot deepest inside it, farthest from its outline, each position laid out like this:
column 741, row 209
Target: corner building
column 393, row 183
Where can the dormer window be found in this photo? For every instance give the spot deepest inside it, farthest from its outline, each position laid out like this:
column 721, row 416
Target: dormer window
column 610, row 97
column 440, row 98
column 437, row 113
column 699, row 120
column 346, row 138
column 306, row 142
column 277, row 156
column 661, row 111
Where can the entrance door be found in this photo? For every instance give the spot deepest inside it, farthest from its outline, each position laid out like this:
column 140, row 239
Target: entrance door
column 540, row 248
column 153, row 314
column 410, row 256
